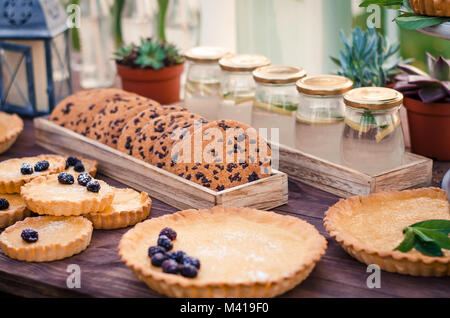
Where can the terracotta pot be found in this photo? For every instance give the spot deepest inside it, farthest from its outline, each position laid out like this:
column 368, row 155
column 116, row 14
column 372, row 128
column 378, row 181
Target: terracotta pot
column 429, row 128
column 161, row 85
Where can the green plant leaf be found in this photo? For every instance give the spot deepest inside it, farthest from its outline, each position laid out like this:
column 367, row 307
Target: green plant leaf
column 408, row 243
column 438, row 225
column 414, row 22
column 428, row 248
column 439, row 238
column 381, row 3
column 419, row 234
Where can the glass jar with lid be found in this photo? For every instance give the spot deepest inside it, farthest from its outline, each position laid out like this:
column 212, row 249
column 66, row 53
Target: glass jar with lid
column 202, row 88
column 237, row 87
column 372, row 140
column 276, row 100
column 320, row 115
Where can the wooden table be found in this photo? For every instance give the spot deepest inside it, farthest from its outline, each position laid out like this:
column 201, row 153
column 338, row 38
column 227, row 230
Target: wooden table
column 104, row 275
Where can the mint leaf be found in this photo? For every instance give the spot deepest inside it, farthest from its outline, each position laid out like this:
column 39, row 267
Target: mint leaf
column 423, row 237
column 438, row 225
column 408, row 242
column 439, row 238
column 428, row 248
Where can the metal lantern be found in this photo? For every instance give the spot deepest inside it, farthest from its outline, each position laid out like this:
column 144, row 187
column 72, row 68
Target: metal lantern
column 34, row 56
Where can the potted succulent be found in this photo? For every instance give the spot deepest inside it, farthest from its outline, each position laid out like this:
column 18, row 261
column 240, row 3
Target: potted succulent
column 427, row 100
column 154, row 67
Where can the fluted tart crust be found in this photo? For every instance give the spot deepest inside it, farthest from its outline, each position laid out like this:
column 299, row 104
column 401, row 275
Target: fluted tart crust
column 370, row 227
column 243, row 252
column 16, row 211
column 11, row 178
column 46, row 196
column 127, row 208
column 59, row 237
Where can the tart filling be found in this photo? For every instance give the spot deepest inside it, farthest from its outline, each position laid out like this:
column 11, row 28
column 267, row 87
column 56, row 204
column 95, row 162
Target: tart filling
column 127, row 208
column 48, row 195
column 371, row 227
column 46, row 238
column 14, row 173
column 242, row 251
column 16, row 210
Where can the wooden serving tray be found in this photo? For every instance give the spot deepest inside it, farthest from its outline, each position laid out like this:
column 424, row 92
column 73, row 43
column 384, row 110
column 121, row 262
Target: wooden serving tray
column 343, row 181
column 178, row 192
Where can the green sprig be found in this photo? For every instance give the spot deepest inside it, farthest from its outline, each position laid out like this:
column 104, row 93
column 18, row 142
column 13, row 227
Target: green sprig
column 428, row 237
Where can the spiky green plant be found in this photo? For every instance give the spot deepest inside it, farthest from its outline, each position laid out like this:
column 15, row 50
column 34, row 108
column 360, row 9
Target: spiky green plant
column 367, row 58
column 150, row 54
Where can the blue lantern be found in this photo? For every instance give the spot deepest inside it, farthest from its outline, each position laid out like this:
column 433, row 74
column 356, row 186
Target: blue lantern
column 34, row 56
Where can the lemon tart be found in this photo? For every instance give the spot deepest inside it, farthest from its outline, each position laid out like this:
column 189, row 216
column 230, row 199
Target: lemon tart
column 46, row 238
column 243, row 252
column 14, row 173
column 48, row 195
column 12, row 209
column 127, row 208
column 11, row 126
column 370, row 228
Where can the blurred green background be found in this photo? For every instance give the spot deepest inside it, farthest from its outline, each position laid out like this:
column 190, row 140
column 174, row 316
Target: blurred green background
column 413, row 44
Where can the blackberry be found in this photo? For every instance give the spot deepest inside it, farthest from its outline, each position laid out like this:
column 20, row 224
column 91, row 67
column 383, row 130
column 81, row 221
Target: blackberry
column 84, row 178
column 30, row 235
column 158, row 259
column 189, row 260
column 79, row 167
column 4, row 204
column 170, row 266
column 165, row 242
column 93, row 186
column 152, row 250
column 71, row 161
column 188, row 271
column 171, row 234
column 65, row 178
column 26, row 168
column 41, row 165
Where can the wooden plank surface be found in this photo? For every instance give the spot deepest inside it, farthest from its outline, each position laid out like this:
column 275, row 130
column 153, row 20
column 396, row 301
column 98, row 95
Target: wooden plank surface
column 104, row 275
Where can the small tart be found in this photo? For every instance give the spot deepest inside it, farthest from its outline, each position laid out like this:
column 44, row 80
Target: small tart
column 45, row 195
column 11, row 179
column 11, row 126
column 128, row 208
column 59, row 237
column 90, row 166
column 243, row 252
column 17, row 210
column 370, row 227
